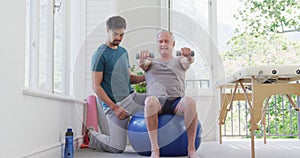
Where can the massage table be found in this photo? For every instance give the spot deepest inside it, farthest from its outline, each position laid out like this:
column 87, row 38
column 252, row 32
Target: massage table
column 257, row 84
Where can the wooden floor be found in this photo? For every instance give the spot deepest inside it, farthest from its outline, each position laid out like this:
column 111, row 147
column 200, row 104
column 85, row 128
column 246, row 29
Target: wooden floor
column 287, row 148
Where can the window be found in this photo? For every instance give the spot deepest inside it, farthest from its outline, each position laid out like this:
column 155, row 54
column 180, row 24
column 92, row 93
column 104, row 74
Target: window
column 46, row 46
column 252, row 33
column 189, row 23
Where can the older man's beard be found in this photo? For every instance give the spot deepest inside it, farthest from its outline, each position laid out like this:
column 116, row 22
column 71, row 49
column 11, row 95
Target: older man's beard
column 116, row 42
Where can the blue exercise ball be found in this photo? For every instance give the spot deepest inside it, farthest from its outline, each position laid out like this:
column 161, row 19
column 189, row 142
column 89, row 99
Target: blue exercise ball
column 172, row 136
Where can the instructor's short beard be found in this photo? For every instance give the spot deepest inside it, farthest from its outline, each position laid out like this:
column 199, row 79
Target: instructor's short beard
column 114, row 43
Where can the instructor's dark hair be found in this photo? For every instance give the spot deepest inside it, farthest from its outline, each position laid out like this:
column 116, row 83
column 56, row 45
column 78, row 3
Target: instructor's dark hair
column 116, row 22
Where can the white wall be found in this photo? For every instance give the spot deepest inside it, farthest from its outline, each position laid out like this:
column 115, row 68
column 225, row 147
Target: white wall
column 29, row 125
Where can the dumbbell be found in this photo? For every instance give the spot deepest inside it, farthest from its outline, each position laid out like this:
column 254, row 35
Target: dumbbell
column 178, row 53
column 151, row 55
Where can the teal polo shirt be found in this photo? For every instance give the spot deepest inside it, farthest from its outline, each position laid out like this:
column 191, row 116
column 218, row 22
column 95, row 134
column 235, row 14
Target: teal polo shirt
column 114, row 64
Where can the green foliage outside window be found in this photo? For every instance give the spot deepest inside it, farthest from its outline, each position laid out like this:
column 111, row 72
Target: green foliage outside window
column 281, row 119
column 260, row 37
column 260, row 17
column 140, row 87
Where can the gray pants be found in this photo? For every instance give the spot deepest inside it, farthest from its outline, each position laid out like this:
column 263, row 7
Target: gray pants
column 114, row 139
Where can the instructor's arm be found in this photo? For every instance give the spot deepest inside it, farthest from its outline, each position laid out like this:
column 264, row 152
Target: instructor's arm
column 96, row 81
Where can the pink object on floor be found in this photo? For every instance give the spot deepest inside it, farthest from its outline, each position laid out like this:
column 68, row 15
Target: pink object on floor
column 91, row 117
column 91, row 113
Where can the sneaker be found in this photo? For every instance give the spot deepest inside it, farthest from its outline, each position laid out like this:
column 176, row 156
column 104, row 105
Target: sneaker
column 90, row 129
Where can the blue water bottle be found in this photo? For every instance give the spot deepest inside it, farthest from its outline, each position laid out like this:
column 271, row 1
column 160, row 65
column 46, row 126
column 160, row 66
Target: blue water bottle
column 69, row 150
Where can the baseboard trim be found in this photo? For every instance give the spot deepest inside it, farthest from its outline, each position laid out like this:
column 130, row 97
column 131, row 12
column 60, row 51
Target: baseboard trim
column 77, row 142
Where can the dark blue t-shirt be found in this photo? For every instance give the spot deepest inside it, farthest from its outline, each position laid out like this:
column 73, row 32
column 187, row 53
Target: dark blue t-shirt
column 114, row 64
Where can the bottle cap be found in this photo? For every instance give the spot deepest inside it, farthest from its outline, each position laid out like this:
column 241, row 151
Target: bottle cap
column 69, row 132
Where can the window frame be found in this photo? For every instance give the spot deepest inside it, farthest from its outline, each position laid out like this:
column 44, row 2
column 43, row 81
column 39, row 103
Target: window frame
column 33, row 48
column 211, row 57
